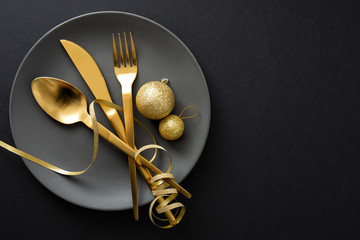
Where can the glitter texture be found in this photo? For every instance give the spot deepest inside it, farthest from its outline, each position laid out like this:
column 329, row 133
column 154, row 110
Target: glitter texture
column 155, row 100
column 171, row 127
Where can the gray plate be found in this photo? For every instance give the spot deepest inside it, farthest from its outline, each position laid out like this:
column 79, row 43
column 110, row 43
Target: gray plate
column 106, row 185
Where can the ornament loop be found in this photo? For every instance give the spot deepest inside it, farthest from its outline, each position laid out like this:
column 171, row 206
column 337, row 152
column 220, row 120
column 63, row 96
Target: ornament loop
column 196, row 111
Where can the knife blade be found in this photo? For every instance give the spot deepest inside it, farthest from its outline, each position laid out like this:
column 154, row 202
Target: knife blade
column 93, row 77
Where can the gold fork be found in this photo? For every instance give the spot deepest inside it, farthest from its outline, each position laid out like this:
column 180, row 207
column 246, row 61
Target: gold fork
column 126, row 83
column 126, row 74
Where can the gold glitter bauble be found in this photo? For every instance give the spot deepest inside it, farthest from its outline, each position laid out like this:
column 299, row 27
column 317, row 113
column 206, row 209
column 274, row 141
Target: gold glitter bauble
column 171, row 127
column 155, row 100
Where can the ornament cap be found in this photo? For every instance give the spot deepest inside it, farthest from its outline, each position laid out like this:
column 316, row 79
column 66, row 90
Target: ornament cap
column 165, row 80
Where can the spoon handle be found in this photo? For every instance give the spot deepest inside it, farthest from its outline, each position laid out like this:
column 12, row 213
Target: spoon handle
column 117, row 142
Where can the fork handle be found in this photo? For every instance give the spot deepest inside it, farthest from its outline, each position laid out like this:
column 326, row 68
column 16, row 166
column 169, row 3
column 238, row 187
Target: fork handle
column 129, row 117
column 129, row 129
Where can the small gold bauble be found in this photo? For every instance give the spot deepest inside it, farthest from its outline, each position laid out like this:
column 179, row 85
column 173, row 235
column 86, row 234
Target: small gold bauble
column 155, row 100
column 171, row 127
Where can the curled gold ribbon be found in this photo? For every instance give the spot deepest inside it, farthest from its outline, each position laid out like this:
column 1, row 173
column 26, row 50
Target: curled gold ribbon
column 161, row 190
column 95, row 148
column 159, row 187
column 53, row 167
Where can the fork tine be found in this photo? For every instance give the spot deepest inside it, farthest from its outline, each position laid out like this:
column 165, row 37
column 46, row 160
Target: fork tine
column 116, row 63
column 127, row 52
column 133, row 52
column 121, row 52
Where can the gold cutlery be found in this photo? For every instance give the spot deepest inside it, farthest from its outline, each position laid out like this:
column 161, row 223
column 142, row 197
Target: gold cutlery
column 126, row 75
column 67, row 104
column 96, row 82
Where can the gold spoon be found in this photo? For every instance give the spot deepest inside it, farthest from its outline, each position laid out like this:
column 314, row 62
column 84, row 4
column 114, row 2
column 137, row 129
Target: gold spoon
column 67, row 104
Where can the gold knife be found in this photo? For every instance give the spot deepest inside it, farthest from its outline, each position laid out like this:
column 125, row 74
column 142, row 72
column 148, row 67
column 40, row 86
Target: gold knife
column 92, row 75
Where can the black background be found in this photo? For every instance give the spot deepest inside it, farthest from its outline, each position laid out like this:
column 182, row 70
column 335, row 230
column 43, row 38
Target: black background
column 282, row 160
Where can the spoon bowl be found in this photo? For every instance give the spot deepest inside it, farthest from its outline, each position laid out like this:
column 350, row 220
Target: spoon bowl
column 59, row 99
